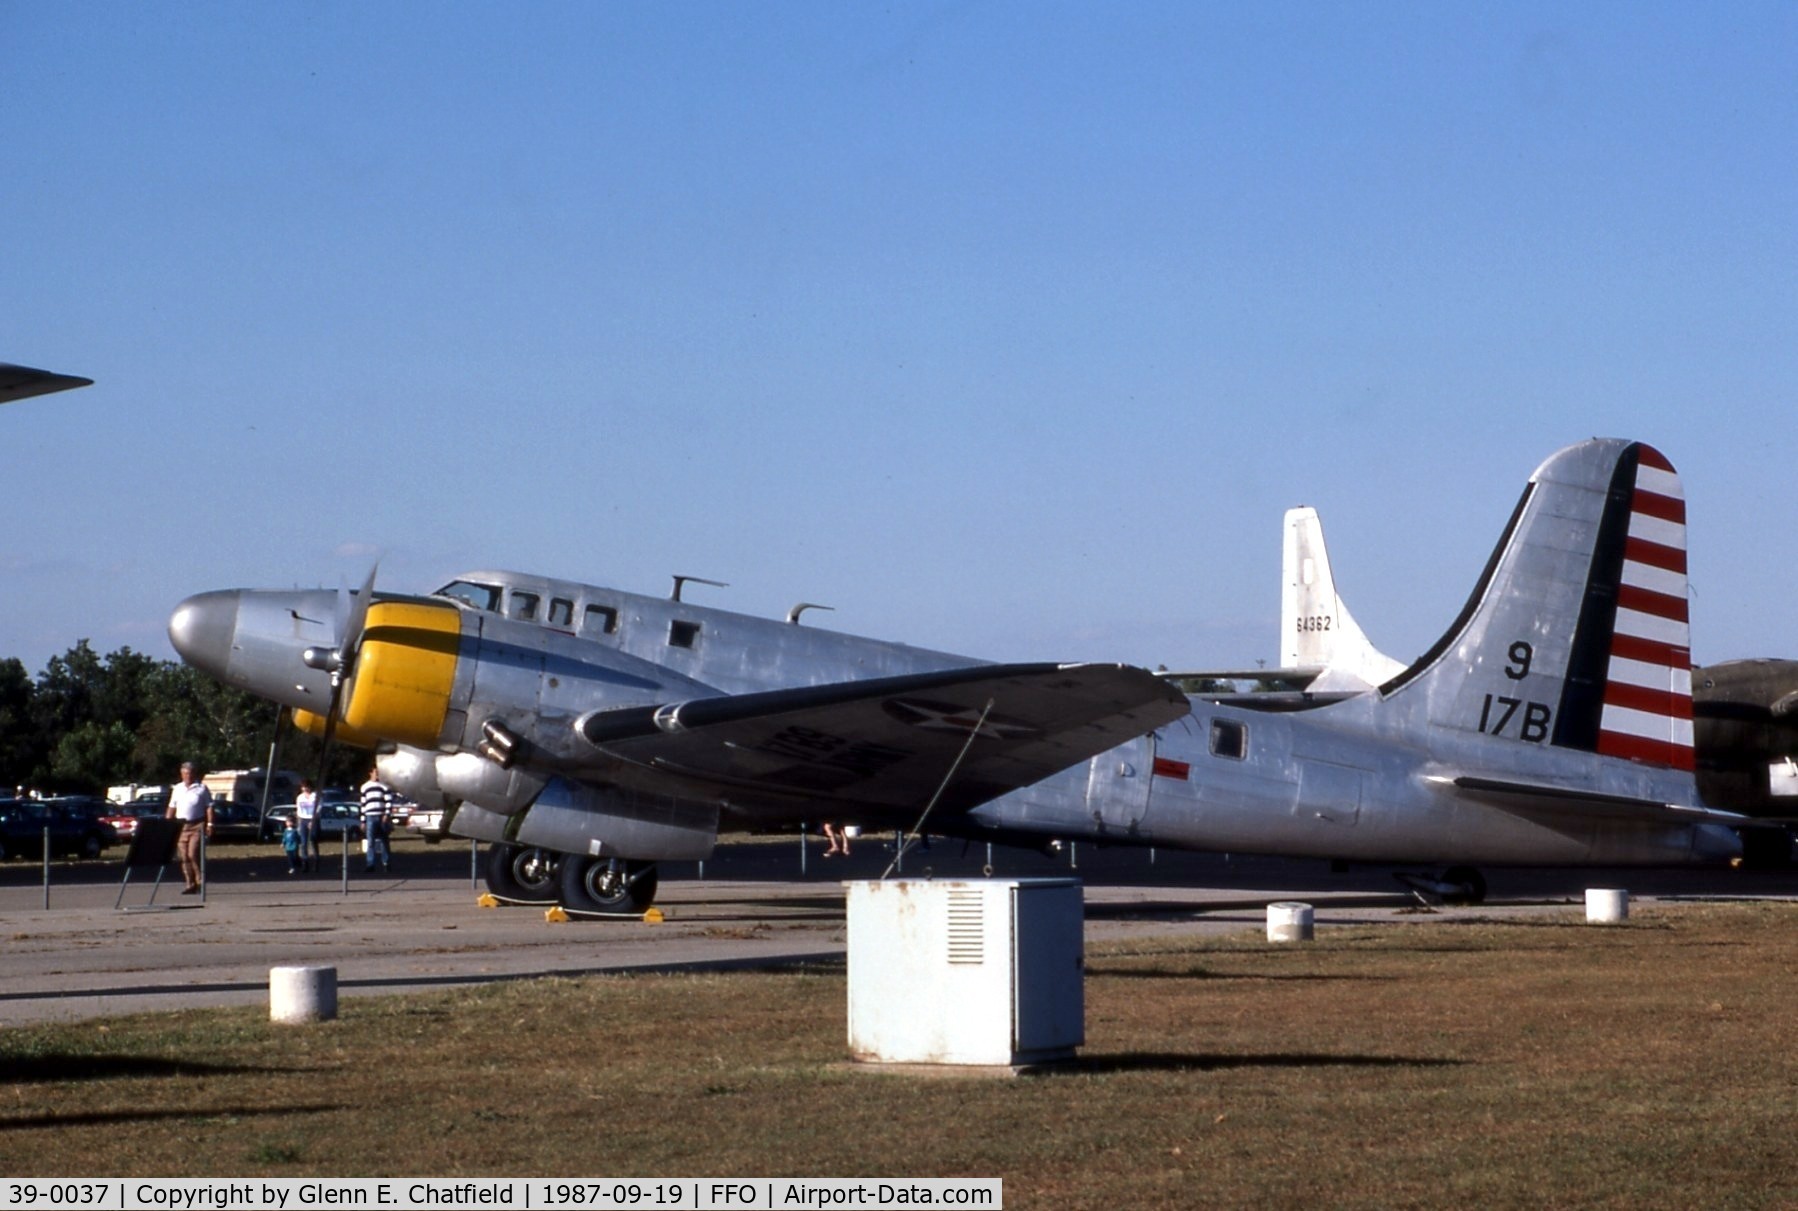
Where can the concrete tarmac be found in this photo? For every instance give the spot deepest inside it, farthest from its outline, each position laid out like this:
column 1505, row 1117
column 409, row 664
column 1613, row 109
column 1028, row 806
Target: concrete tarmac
column 754, row 904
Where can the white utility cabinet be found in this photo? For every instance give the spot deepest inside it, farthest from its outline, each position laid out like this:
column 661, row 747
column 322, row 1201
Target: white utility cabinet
column 966, row 971
column 1782, row 779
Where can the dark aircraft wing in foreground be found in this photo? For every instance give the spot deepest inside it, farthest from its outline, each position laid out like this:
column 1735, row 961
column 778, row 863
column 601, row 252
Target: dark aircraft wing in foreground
column 22, row 382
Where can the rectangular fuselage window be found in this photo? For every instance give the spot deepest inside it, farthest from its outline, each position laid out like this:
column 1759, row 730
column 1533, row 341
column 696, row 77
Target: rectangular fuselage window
column 561, row 611
column 523, row 606
column 599, row 620
column 1229, row 739
column 682, row 634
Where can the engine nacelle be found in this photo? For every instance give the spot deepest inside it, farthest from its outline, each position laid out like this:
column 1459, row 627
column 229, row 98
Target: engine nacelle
column 405, row 672
column 472, row 778
column 413, row 773
column 573, row 818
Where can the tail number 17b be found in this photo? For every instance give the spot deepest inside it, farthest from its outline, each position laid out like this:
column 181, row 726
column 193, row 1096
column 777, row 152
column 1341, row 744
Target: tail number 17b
column 1498, row 711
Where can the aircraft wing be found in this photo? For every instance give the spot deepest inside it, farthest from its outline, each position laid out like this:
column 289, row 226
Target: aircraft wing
column 1553, row 805
column 892, row 742
column 22, row 382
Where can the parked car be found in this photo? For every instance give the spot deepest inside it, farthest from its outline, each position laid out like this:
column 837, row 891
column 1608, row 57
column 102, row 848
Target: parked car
column 87, row 807
column 22, row 825
column 275, row 823
column 122, row 820
column 427, row 822
column 235, row 822
column 334, row 819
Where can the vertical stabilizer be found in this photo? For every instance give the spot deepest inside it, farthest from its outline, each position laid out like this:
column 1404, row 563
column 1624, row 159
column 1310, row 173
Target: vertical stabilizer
column 1316, row 629
column 1577, row 634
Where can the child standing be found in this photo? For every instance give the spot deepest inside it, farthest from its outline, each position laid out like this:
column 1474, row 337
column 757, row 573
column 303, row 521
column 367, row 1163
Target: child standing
column 290, row 842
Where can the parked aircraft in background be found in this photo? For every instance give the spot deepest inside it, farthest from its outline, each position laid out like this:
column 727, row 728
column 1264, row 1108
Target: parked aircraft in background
column 1745, row 712
column 1316, row 630
column 591, row 733
column 1747, row 736
column 22, row 382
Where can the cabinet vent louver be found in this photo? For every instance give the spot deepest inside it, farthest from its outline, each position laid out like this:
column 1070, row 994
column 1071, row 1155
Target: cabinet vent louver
column 967, row 927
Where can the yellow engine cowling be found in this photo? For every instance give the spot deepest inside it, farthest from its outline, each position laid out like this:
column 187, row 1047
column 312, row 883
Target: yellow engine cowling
column 405, row 672
column 314, row 725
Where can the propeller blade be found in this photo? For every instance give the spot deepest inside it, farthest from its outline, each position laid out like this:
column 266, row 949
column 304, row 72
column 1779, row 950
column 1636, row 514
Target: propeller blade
column 349, row 635
column 352, row 615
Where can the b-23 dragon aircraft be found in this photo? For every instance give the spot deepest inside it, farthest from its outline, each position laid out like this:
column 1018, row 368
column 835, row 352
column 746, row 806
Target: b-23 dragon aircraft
column 591, row 733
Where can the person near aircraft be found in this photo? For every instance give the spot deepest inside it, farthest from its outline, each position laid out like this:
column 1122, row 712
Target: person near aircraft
column 290, row 845
column 191, row 804
column 376, row 802
column 838, row 836
column 305, row 814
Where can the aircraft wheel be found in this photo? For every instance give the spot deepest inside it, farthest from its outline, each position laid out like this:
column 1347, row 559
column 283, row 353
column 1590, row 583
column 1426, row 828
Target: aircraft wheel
column 609, row 885
column 1471, row 880
column 520, row 872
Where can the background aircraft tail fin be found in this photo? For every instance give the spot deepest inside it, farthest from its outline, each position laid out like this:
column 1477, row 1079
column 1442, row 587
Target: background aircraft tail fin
column 1577, row 635
column 1316, row 628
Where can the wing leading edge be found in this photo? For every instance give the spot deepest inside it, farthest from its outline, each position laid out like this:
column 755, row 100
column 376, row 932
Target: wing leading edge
column 889, row 743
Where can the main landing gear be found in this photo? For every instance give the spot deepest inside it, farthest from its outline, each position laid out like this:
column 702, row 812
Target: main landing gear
column 524, row 874
column 607, row 885
column 1456, row 885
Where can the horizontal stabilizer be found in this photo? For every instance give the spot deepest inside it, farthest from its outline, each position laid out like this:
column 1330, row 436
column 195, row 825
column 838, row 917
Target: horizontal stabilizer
column 1552, row 804
column 890, row 742
column 1296, row 677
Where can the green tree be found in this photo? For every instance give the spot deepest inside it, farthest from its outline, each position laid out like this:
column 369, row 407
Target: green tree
column 21, row 747
column 90, row 721
column 194, row 718
column 65, row 693
column 91, row 756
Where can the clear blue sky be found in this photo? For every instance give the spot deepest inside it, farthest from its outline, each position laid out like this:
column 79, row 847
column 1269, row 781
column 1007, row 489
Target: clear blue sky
column 1004, row 328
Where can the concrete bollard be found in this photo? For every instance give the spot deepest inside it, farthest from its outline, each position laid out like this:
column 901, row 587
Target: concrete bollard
column 1290, row 922
column 1606, row 905
column 302, row 994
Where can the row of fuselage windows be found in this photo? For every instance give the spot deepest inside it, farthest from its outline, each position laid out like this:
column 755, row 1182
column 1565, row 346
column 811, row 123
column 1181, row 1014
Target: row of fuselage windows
column 559, row 612
column 1229, row 738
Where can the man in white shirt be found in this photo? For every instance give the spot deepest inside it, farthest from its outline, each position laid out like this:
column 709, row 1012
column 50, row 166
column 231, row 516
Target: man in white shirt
column 191, row 803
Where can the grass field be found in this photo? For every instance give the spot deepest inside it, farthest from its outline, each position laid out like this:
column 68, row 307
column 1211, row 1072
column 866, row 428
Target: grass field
column 1481, row 1064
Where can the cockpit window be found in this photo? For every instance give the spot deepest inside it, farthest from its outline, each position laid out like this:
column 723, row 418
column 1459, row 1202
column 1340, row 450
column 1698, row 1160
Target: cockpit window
column 523, row 606
column 480, row 596
column 561, row 612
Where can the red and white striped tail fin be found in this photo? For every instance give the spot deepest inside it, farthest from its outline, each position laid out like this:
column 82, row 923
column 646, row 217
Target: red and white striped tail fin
column 1647, row 713
column 1577, row 635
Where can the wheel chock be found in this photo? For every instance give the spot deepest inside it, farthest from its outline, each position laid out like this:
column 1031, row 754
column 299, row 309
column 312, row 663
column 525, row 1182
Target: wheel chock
column 653, row 916
column 488, row 900
column 554, row 915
